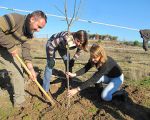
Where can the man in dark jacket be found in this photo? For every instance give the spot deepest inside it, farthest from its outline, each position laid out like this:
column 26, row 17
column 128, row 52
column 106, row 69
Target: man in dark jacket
column 145, row 34
column 17, row 30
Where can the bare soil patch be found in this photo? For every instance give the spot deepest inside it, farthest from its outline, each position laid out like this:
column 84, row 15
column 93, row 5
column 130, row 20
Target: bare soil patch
column 87, row 104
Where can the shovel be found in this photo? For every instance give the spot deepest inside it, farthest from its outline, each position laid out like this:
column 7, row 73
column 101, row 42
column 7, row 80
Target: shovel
column 37, row 83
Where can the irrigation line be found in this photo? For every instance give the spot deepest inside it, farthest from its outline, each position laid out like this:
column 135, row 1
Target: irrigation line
column 81, row 20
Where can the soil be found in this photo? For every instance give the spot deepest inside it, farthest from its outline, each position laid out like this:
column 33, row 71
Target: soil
column 87, row 105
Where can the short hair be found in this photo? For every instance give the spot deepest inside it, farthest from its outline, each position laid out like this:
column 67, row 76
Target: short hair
column 39, row 13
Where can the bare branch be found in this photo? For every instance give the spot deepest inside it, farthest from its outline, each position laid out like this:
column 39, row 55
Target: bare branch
column 76, row 14
column 65, row 7
column 77, row 11
column 73, row 13
column 59, row 10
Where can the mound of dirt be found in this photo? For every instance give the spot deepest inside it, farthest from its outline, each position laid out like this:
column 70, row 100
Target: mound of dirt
column 85, row 105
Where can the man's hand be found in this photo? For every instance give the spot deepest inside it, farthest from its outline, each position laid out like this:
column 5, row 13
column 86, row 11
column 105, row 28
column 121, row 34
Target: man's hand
column 33, row 76
column 31, row 69
column 14, row 53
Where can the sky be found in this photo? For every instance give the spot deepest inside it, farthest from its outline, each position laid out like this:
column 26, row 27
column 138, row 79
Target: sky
column 127, row 13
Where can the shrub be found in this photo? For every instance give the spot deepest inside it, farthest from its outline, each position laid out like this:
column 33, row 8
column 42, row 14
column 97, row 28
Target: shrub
column 136, row 43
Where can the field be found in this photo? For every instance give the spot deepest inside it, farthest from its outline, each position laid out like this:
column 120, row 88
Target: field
column 86, row 105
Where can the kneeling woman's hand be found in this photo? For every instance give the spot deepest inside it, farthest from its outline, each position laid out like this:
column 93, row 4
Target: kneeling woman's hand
column 72, row 92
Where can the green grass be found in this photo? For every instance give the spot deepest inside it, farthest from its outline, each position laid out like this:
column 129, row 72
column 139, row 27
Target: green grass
column 143, row 84
column 27, row 117
column 37, row 105
column 92, row 110
column 5, row 112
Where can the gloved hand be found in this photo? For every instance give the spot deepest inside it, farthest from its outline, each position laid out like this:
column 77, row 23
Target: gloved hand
column 51, row 62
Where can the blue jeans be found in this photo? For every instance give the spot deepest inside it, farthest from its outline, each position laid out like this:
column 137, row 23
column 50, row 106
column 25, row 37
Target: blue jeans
column 113, row 85
column 48, row 70
column 47, row 78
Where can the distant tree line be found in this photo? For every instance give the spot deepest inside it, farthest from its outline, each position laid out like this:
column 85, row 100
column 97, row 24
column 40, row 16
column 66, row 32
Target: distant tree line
column 102, row 37
column 133, row 43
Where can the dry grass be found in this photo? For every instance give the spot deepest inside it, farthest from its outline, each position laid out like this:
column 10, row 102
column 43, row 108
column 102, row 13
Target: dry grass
column 134, row 61
column 135, row 64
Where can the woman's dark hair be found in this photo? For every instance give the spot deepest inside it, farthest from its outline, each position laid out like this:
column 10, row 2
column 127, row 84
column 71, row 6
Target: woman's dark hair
column 82, row 36
column 39, row 14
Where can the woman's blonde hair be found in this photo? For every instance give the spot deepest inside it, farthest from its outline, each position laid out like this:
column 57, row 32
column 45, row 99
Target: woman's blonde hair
column 97, row 50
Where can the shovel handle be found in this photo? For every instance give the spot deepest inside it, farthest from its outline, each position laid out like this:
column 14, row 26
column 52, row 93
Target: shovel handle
column 37, row 83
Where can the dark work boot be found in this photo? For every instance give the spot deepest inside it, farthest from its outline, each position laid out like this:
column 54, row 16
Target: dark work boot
column 120, row 95
column 99, row 87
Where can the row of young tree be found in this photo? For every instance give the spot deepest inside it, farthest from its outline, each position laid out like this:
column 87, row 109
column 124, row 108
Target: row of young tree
column 102, row 37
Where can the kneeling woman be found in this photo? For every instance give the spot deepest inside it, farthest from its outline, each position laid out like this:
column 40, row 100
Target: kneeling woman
column 108, row 72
